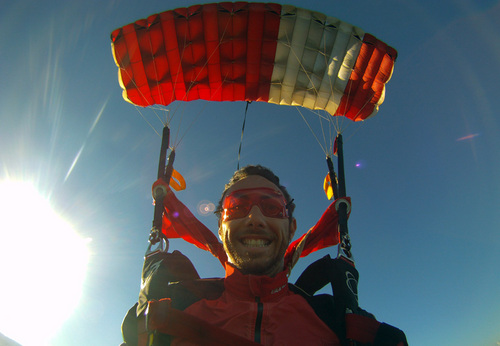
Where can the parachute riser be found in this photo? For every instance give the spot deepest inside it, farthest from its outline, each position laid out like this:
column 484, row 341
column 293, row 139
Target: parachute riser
column 345, row 280
column 339, row 191
column 344, row 249
column 165, row 142
column 164, row 172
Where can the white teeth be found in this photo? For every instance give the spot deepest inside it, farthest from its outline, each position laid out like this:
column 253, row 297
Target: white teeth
column 256, row 242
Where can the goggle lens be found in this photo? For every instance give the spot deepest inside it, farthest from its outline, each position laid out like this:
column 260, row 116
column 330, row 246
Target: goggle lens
column 238, row 203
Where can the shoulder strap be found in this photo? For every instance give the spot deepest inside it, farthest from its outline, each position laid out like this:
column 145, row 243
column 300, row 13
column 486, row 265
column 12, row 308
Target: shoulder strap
column 159, row 271
column 360, row 326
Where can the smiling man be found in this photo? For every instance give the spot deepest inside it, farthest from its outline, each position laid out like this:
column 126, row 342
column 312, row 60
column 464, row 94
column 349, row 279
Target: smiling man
column 256, row 223
column 254, row 303
column 256, row 226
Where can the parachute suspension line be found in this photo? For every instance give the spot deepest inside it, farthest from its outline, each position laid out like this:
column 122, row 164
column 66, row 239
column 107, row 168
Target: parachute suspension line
column 367, row 101
column 332, row 128
column 144, row 98
column 133, row 81
column 242, row 132
column 323, row 147
column 177, row 74
column 331, row 121
column 178, row 127
column 199, row 113
column 323, row 132
column 208, row 59
column 147, row 121
column 178, row 137
column 174, row 83
column 289, row 45
column 196, row 117
column 355, row 131
column 177, row 140
column 341, row 125
column 312, row 131
column 192, row 84
column 162, row 100
column 139, row 90
column 340, row 122
column 179, row 67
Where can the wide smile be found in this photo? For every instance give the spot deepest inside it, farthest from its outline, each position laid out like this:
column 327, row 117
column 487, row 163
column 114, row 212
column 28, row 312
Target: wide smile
column 255, row 242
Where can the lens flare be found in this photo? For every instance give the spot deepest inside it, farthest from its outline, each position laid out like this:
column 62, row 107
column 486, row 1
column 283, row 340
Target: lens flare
column 205, row 208
column 464, row 138
column 360, row 164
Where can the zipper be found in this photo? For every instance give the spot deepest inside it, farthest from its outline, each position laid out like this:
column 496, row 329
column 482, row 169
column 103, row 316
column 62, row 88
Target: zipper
column 258, row 320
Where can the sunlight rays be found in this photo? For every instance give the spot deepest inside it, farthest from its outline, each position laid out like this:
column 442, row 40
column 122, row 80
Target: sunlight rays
column 94, row 124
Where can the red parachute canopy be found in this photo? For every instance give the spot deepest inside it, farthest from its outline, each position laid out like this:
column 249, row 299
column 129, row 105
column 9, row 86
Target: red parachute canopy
column 253, row 52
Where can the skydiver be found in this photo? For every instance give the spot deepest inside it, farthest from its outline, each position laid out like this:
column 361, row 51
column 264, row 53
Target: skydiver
column 254, row 303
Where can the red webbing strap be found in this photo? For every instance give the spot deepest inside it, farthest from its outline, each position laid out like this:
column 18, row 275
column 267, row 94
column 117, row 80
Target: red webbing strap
column 323, row 234
column 361, row 328
column 165, row 319
column 179, row 222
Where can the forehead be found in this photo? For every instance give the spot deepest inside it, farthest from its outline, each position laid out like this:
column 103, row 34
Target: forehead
column 252, row 182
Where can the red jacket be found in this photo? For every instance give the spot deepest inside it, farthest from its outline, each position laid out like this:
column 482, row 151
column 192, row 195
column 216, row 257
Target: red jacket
column 264, row 310
column 241, row 310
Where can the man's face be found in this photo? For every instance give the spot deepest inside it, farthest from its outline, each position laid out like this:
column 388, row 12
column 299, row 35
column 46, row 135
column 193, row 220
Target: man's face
column 256, row 243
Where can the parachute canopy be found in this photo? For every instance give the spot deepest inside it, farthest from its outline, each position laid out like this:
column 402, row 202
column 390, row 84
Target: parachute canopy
column 253, row 52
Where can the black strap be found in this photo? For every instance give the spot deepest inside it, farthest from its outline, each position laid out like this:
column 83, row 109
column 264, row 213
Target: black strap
column 242, row 132
column 331, row 309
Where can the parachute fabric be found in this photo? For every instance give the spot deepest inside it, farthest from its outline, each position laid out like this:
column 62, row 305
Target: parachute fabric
column 253, row 52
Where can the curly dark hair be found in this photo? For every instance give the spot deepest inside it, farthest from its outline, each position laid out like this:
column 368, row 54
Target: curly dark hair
column 264, row 172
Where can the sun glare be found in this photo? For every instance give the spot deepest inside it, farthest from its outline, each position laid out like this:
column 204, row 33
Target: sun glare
column 43, row 263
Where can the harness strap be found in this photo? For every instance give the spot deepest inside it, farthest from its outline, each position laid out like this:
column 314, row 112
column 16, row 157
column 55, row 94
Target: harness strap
column 369, row 331
column 359, row 326
column 242, row 132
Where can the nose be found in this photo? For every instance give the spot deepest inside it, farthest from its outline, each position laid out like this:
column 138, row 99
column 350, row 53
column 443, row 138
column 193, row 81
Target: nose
column 255, row 217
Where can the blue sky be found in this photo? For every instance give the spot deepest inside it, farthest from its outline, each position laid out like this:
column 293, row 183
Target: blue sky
column 425, row 220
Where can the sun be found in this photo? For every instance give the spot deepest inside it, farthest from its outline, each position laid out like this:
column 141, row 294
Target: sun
column 43, row 262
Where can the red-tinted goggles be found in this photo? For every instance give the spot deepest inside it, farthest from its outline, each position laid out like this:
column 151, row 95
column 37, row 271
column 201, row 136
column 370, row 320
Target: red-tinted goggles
column 238, row 203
